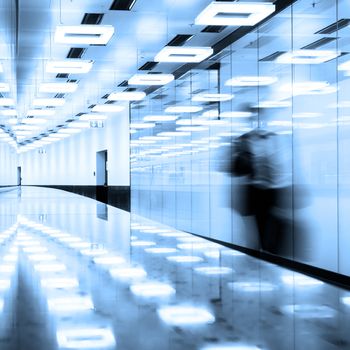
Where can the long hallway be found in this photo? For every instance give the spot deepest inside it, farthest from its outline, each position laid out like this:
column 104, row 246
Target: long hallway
column 78, row 274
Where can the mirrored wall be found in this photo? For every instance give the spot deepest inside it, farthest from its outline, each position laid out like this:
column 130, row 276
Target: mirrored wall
column 252, row 148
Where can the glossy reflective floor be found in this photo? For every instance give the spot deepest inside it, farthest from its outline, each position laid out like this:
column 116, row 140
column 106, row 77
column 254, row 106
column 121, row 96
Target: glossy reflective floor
column 77, row 274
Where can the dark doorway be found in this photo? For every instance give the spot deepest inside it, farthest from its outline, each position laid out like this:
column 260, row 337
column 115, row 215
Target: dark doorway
column 102, row 176
column 19, row 176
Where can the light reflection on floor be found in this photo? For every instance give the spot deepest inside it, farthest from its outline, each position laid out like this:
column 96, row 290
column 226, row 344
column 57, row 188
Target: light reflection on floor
column 71, row 280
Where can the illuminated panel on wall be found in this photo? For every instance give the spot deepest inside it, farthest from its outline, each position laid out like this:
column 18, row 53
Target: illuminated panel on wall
column 234, row 14
column 183, row 54
column 84, row 34
column 71, row 66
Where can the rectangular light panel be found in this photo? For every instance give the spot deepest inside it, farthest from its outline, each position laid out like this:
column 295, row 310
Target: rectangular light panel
column 108, row 108
column 307, row 56
column 49, row 102
column 84, row 34
column 126, row 96
column 234, row 14
column 58, row 87
column 183, row 54
column 150, row 79
column 71, row 66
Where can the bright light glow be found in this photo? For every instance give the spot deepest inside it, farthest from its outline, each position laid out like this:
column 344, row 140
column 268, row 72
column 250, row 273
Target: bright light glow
column 273, row 104
column 85, row 338
column 84, row 34
column 79, row 124
column 252, row 287
column 150, row 79
column 7, row 101
column 185, row 315
column 49, row 102
column 308, row 311
column 4, row 87
column 142, row 243
column 346, row 300
column 49, row 267
column 213, row 270
column 58, row 87
column 160, row 250
column 93, row 252
column 126, row 96
column 70, row 304
column 9, row 112
column 184, row 259
column 93, row 116
column 307, row 115
column 192, row 128
column 230, row 346
column 58, row 283
column 69, row 66
column 152, row 289
column 307, row 56
column 183, row 54
column 142, row 125
column 174, row 133
column 35, row 249
column 212, row 97
column 109, row 260
column 4, row 284
column 128, row 273
column 41, row 257
column 309, row 88
column 79, row 245
column 183, row 109
column 197, row 246
column 174, row 234
column 35, row 121
column 234, row 14
column 108, row 108
column 71, row 130
column 236, row 114
column 7, row 268
column 251, row 81
column 154, row 138
column 68, row 238
column 160, row 118
column 300, row 280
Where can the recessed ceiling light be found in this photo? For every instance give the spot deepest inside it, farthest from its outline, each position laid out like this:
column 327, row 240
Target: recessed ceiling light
column 108, row 108
column 160, row 118
column 183, row 54
column 41, row 112
column 344, row 66
column 307, row 56
column 273, row 104
column 309, row 88
column 49, row 102
column 7, row 101
column 9, row 112
column 251, row 81
column 126, row 96
column 234, row 14
column 142, row 125
column 93, row 116
column 58, row 87
column 84, row 34
column 79, row 124
column 150, row 79
column 192, row 128
column 71, row 130
column 236, row 114
column 4, row 87
column 183, row 109
column 212, row 97
column 174, row 133
column 69, row 66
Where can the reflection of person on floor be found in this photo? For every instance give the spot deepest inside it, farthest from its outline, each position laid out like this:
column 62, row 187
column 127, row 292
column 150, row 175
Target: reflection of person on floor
column 260, row 159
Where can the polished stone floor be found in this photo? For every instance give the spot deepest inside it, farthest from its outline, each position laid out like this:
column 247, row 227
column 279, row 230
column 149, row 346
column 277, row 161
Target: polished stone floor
column 77, row 274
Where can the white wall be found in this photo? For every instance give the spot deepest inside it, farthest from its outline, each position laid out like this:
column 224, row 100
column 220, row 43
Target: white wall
column 8, row 165
column 72, row 161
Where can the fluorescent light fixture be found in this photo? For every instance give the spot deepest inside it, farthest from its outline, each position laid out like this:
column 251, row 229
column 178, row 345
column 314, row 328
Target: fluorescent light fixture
column 236, row 114
column 154, row 138
column 71, row 130
column 6, row 101
column 160, row 118
column 69, row 66
column 152, row 289
column 49, row 267
column 190, row 239
column 234, row 14
column 346, row 300
column 4, row 87
column 197, row 246
column 7, row 268
column 230, row 346
column 183, row 109
column 251, row 81
column 109, row 260
column 58, row 87
column 174, row 133
column 9, row 112
column 49, row 102
column 307, row 115
column 185, row 315
column 273, row 104
column 93, row 116
column 69, row 238
column 252, row 287
column 161, row 250
column 79, row 245
column 191, row 122
column 4, row 284
column 142, row 125
column 128, row 273
column 70, row 304
column 34, row 249
column 84, row 34
column 183, row 54
column 10, row 257
column 184, row 259
column 93, row 252
column 40, row 112
column 85, row 338
column 344, row 66
column 151, row 79
column 142, row 243
column 309, row 311
column 126, row 96
column 108, row 108
column 79, row 124
column 41, row 257
column 309, row 88
column 192, row 128
column 174, row 234
column 300, row 280
column 307, row 56
column 58, row 283
column 33, row 121
column 213, row 270
column 212, row 97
